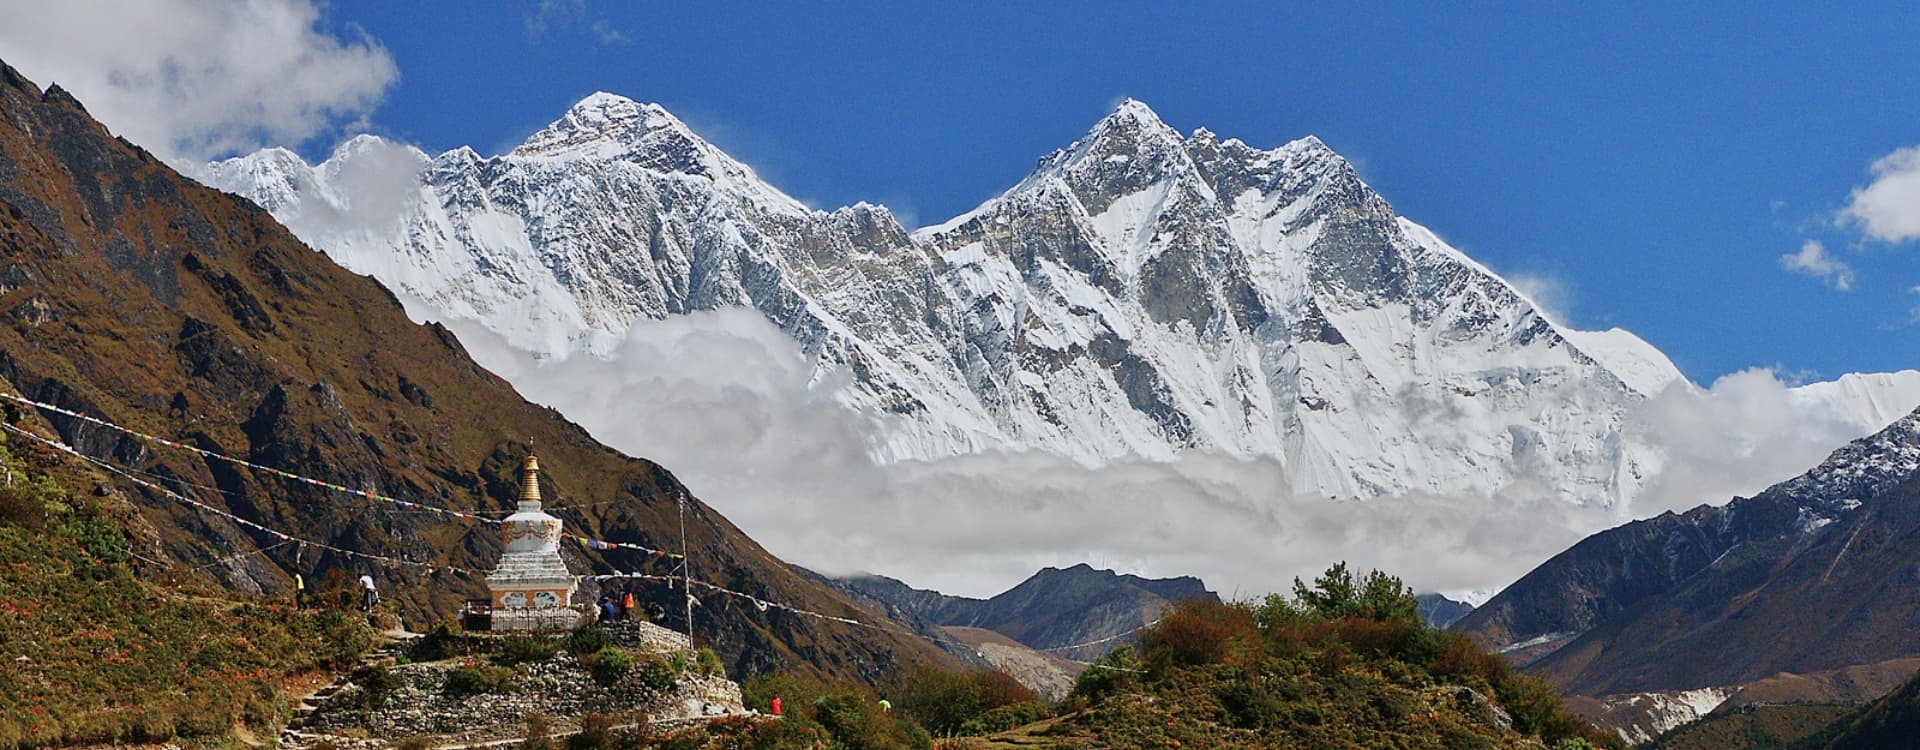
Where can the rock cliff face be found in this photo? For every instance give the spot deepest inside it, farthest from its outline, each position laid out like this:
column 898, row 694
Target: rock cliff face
column 1439, row 611
column 1816, row 573
column 1140, row 293
column 1051, row 611
column 133, row 294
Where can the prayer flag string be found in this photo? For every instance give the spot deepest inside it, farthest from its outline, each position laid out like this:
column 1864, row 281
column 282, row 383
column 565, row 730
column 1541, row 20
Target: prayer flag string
column 275, row 533
column 398, row 503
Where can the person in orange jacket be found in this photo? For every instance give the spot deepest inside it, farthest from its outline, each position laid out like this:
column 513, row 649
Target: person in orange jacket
column 626, row 607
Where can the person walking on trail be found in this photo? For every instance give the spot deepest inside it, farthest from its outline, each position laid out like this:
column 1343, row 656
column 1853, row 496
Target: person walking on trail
column 607, row 611
column 369, row 595
column 886, row 706
column 299, row 591
column 775, row 705
column 626, row 607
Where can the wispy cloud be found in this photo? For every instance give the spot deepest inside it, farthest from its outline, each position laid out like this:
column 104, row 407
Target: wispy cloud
column 607, row 34
column 551, row 17
column 1813, row 261
column 192, row 80
column 1888, row 208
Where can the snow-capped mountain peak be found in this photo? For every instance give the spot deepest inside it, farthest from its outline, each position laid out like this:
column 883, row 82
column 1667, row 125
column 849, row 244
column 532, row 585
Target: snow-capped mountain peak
column 608, row 127
column 1139, row 294
column 604, row 125
column 1126, row 150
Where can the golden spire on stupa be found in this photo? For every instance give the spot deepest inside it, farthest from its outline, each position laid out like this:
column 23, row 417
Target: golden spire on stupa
column 530, row 478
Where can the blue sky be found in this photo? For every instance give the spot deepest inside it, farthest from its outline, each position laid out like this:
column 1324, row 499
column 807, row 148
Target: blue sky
column 1647, row 165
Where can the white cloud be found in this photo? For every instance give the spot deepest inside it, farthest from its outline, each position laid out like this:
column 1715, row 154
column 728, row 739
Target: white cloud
column 723, row 399
column 1551, row 295
column 1746, row 432
column 1888, row 209
column 196, row 79
column 1813, row 260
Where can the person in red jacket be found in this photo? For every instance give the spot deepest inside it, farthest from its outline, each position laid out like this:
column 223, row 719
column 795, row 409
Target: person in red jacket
column 775, row 705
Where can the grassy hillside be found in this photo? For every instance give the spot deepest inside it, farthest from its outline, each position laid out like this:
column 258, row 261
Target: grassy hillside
column 1892, row 723
column 1343, row 663
column 1755, row 728
column 91, row 653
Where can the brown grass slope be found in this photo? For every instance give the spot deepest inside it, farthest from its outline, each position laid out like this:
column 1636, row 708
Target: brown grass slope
column 1755, row 727
column 1890, row 723
column 132, row 293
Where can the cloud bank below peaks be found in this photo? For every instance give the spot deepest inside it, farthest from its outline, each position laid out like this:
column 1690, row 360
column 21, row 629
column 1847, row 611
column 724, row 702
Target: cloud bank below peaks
column 723, row 399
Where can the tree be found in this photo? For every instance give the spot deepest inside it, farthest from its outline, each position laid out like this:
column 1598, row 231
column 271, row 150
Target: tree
column 1336, row 594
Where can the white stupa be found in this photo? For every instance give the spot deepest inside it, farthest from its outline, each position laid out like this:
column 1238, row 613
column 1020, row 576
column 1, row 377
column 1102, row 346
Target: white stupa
column 531, row 587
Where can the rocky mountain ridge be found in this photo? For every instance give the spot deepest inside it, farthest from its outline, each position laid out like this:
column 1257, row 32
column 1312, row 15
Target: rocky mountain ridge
column 1140, row 293
column 1053, row 610
column 1811, row 575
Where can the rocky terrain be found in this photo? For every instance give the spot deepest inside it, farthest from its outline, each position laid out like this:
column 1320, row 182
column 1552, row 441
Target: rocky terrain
column 415, row 701
column 1440, row 612
column 1048, row 674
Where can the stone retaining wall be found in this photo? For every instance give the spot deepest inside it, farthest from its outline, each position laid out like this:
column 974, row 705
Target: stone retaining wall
column 558, row 687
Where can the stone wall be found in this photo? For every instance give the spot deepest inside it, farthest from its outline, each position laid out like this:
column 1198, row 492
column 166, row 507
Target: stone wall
column 645, row 636
column 559, row 687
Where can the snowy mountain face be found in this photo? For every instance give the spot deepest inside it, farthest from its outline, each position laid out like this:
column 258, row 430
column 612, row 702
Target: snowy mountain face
column 1139, row 294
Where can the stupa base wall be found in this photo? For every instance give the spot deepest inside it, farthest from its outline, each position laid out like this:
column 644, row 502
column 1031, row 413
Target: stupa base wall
column 537, row 620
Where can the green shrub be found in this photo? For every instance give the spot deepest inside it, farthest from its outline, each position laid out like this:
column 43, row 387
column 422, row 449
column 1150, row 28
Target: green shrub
column 1112, row 673
column 378, row 684
column 584, row 640
column 517, row 649
column 442, row 642
column 1003, row 718
column 609, row 664
column 596, row 733
column 943, row 701
column 708, row 663
column 539, row 733
column 1199, row 632
column 854, row 720
column 479, row 680
column 658, row 673
column 793, row 690
column 1249, row 707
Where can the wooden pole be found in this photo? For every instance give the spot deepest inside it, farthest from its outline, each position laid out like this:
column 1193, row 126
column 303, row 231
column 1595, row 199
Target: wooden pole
column 686, row 572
